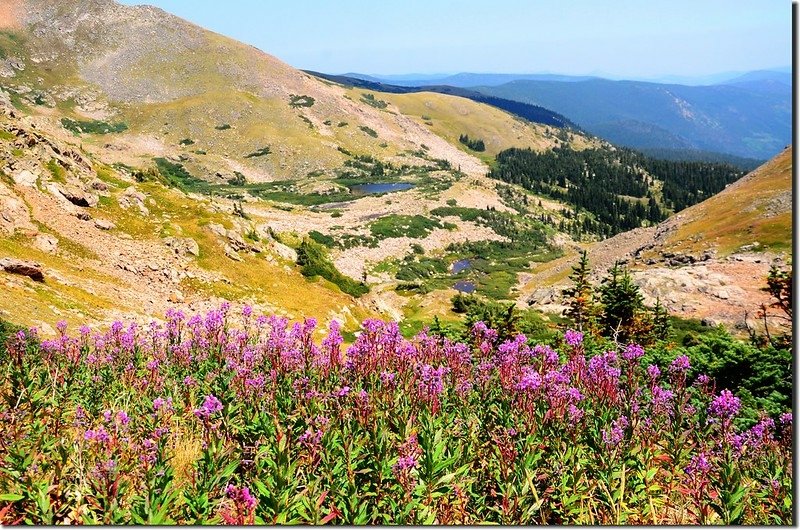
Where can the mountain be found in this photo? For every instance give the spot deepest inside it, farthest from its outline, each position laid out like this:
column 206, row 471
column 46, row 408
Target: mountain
column 147, row 164
column 465, row 79
column 533, row 113
column 730, row 118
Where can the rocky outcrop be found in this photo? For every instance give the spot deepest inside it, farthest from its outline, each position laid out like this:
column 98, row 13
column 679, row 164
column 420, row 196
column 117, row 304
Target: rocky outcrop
column 79, row 197
column 24, row 268
column 183, row 246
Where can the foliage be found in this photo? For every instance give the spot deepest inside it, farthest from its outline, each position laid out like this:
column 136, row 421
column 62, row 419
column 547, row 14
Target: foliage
column 92, row 126
column 475, row 144
column 582, row 307
column 198, row 420
column 57, row 171
column 369, row 99
column 264, row 151
column 296, row 101
column 369, row 131
column 186, row 141
column 613, row 186
column 313, row 261
column 413, row 226
column 177, row 176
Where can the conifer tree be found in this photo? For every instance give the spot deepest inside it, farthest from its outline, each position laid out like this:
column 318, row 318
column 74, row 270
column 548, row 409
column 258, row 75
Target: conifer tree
column 622, row 302
column 581, row 301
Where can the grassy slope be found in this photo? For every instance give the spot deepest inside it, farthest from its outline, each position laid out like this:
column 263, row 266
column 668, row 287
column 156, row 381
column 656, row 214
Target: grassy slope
column 451, row 116
column 739, row 215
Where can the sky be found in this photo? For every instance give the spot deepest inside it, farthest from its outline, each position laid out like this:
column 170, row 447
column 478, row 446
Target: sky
column 615, row 38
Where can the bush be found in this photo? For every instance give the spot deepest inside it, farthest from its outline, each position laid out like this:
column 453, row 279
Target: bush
column 92, row 126
column 369, row 131
column 313, row 261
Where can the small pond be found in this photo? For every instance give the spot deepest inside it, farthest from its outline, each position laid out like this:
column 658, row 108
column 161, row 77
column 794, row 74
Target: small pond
column 460, row 265
column 464, row 287
column 380, row 187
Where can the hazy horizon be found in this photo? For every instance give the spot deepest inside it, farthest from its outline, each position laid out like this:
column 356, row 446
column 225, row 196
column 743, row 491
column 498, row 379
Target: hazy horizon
column 623, row 39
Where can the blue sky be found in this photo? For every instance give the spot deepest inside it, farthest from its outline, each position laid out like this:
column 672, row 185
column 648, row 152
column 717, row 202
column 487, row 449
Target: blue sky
column 621, row 38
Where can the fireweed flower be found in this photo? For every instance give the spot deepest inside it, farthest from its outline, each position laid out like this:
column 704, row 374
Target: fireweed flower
column 241, row 496
column 633, row 352
column 573, row 338
column 210, row 406
column 680, row 365
column 613, row 436
column 725, row 406
column 699, row 467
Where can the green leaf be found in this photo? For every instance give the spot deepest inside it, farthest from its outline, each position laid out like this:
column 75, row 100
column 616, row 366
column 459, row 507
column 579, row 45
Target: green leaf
column 11, row 497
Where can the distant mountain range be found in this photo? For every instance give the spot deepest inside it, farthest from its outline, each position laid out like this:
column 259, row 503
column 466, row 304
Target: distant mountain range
column 472, row 79
column 743, row 114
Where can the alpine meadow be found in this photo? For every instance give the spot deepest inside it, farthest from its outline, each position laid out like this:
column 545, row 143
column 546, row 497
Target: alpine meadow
column 235, row 291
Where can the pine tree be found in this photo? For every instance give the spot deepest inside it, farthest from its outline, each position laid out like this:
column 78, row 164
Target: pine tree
column 661, row 325
column 622, row 302
column 581, row 301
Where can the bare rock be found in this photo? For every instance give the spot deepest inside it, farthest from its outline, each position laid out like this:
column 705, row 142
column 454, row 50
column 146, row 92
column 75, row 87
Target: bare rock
column 79, row 197
column 98, row 185
column 218, row 229
column 46, row 243
column 132, row 197
column 24, row 268
column 231, row 253
column 176, row 297
column 183, row 245
column 104, row 224
column 26, row 178
column 285, row 252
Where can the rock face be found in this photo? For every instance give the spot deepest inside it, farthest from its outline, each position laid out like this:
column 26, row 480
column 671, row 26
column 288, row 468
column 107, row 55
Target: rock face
column 103, row 224
column 183, row 246
column 78, row 197
column 24, row 268
column 46, row 243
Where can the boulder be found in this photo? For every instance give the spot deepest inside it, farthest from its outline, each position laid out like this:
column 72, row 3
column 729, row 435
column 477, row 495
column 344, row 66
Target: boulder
column 285, row 252
column 79, row 197
column 104, row 224
column 46, row 243
column 24, row 268
column 183, row 245
column 231, row 253
column 25, row 178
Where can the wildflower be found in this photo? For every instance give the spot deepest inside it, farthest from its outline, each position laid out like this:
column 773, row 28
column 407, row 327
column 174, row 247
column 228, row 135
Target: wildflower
column 699, row 466
column 247, row 311
column 387, row 378
column 122, row 418
column 241, row 496
column 209, row 407
column 612, row 437
column 531, row 381
column 785, row 419
column 633, row 352
column 725, row 406
column 575, row 414
column 189, row 381
column 680, row 365
column 61, row 326
column 573, row 338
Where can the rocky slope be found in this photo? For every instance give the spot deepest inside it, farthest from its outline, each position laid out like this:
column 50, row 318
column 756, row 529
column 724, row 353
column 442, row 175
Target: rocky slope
column 709, row 261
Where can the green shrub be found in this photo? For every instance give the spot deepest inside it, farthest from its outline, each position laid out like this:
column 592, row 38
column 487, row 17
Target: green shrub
column 413, row 226
column 300, row 101
column 92, row 126
column 264, row 151
column 369, row 131
column 313, row 261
